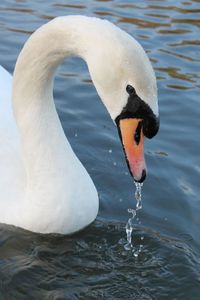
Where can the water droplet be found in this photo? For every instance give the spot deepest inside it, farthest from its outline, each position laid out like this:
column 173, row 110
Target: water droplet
column 129, row 229
column 140, row 248
column 130, row 223
column 138, row 195
column 114, row 163
column 110, row 150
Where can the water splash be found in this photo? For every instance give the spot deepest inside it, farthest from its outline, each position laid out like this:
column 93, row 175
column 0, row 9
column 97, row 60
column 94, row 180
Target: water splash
column 130, row 223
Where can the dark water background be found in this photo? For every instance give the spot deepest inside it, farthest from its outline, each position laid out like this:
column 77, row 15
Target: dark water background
column 93, row 263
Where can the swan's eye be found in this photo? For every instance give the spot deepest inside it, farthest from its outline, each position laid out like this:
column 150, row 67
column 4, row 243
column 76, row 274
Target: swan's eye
column 130, row 90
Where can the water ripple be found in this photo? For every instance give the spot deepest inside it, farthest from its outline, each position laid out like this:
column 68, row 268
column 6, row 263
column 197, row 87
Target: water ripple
column 93, row 264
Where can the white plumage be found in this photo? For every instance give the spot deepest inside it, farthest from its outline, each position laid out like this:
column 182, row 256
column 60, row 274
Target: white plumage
column 43, row 185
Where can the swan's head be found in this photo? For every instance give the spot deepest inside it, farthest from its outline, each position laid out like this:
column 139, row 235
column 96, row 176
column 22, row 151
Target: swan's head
column 126, row 83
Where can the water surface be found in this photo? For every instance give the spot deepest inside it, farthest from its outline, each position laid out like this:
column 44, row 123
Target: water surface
column 93, row 263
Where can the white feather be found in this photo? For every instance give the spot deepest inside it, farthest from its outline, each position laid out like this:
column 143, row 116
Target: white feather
column 43, row 185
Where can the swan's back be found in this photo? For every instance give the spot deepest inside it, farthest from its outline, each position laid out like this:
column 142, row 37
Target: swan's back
column 11, row 169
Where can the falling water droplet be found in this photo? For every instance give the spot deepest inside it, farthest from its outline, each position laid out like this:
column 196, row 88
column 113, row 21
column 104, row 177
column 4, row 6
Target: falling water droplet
column 129, row 229
column 138, row 195
column 130, row 223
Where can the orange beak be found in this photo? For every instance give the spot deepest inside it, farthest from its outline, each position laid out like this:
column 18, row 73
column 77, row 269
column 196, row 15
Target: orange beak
column 133, row 142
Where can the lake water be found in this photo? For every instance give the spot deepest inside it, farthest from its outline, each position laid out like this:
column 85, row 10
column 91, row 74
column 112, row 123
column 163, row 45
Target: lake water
column 93, row 264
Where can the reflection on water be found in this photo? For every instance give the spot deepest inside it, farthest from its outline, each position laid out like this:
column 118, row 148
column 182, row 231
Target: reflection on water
column 93, row 264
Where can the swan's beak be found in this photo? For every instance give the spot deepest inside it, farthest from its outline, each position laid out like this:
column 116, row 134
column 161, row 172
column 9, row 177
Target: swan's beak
column 133, row 143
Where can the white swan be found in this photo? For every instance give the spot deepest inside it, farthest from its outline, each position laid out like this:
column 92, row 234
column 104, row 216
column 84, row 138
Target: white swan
column 43, row 186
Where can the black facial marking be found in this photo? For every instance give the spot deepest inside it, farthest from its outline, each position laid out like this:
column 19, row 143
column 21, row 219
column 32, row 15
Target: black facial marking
column 136, row 108
column 130, row 90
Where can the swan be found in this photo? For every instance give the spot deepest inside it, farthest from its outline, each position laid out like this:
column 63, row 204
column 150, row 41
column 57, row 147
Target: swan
column 43, row 185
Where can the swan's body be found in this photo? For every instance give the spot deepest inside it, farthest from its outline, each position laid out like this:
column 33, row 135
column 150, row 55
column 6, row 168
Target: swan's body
column 43, row 185
column 24, row 207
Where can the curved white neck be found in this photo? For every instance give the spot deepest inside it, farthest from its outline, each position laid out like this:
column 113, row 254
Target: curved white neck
column 46, row 151
column 114, row 60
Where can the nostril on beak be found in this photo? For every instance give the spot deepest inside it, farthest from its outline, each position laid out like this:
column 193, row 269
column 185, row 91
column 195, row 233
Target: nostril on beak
column 144, row 174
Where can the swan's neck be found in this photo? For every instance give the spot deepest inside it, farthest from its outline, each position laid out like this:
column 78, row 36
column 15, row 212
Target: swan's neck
column 47, row 154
